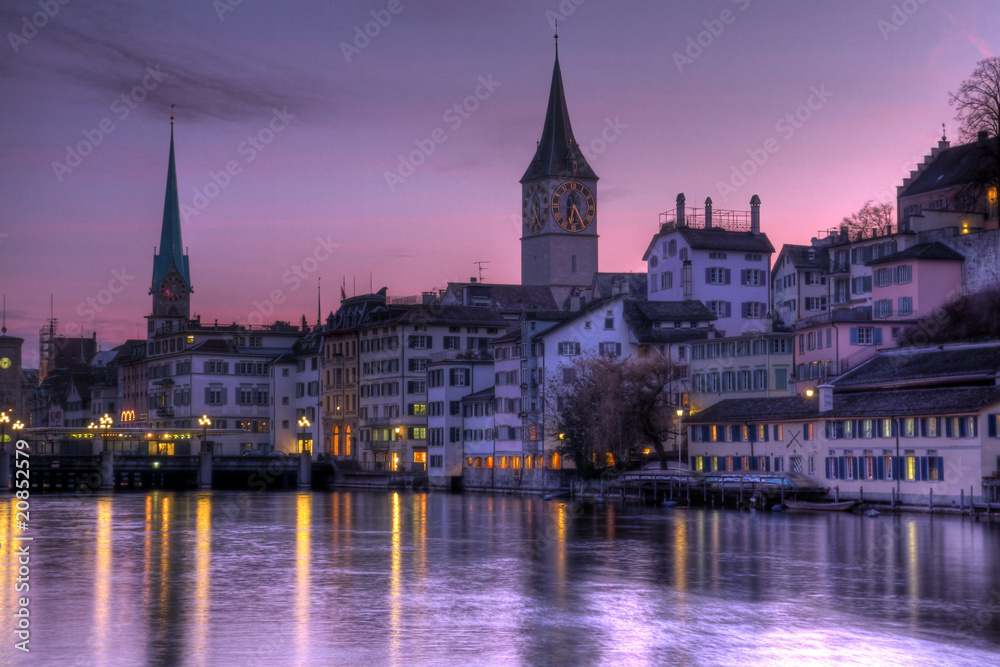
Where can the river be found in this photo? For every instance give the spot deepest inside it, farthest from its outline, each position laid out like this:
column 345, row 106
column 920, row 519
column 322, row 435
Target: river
column 384, row 578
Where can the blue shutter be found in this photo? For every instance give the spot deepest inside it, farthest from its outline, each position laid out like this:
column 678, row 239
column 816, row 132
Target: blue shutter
column 879, row 467
column 940, row 468
column 963, row 428
column 737, row 463
column 991, row 425
column 878, row 335
column 841, row 467
column 776, row 436
column 734, row 432
column 828, row 467
column 856, row 461
column 975, row 426
column 923, row 427
column 729, row 309
column 743, row 276
column 949, row 427
column 430, row 342
column 766, row 435
column 704, row 433
column 708, row 276
column 727, row 275
column 751, row 433
column 206, row 395
column 827, row 429
column 854, row 335
column 923, row 468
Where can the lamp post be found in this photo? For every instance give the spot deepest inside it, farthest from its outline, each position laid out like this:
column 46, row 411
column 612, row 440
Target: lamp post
column 680, row 413
column 106, row 422
column 4, row 420
column 303, row 424
column 204, row 422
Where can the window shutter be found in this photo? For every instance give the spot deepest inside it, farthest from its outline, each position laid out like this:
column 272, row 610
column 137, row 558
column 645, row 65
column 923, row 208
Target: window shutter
column 743, row 276
column 829, row 468
column 924, row 476
column 737, row 463
column 766, row 438
column 734, row 432
column 729, row 309
column 207, row 395
column 974, row 422
column 867, row 282
column 854, row 335
column 963, row 428
column 727, row 272
column 704, row 433
column 205, row 367
column 776, row 437
column 991, row 425
column 940, row 468
column 708, row 275
column 949, row 429
column 923, row 427
column 430, row 342
column 880, row 467
column 225, row 392
column 841, row 468
column 225, row 368
column 411, row 341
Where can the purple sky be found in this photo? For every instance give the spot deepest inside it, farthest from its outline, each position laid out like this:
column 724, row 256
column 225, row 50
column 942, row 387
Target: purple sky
column 882, row 75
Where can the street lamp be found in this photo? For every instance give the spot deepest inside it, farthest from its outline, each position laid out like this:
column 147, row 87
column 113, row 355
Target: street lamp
column 680, row 413
column 204, row 422
column 106, row 422
column 4, row 420
column 303, row 424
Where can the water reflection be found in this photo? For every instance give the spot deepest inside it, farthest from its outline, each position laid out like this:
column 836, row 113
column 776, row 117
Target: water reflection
column 401, row 578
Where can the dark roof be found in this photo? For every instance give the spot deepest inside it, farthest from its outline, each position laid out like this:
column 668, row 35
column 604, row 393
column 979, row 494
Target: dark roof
column 604, row 284
column 952, row 167
column 873, row 404
column 506, row 298
column 437, row 314
column 215, row 346
column 557, row 148
column 799, row 254
column 911, row 365
column 481, row 395
column 935, row 250
column 716, row 238
column 640, row 316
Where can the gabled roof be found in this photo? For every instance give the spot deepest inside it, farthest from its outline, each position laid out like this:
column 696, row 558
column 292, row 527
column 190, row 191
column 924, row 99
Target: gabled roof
column 481, row 395
column 935, row 250
column 640, row 316
column 885, row 403
column 953, row 167
column 925, row 366
column 803, row 256
column 504, row 297
column 453, row 315
column 171, row 250
column 557, row 149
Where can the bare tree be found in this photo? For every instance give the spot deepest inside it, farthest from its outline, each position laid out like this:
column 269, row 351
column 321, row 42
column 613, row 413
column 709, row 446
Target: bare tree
column 608, row 409
column 870, row 220
column 977, row 105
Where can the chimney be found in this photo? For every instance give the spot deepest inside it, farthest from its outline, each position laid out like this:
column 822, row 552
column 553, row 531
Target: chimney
column 982, row 136
column 472, row 279
column 755, row 214
column 825, row 398
column 680, row 210
column 708, row 213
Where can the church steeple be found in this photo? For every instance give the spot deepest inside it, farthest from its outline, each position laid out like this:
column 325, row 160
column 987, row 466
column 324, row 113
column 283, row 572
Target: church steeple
column 171, row 286
column 558, row 154
column 171, row 250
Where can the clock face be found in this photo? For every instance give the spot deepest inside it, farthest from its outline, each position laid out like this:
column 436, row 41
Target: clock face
column 534, row 207
column 573, row 206
column 173, row 288
column 5, row 363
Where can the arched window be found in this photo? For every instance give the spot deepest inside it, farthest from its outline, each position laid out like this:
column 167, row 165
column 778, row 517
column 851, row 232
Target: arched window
column 478, row 463
column 527, row 462
column 555, row 460
column 336, row 441
column 489, row 461
column 347, row 440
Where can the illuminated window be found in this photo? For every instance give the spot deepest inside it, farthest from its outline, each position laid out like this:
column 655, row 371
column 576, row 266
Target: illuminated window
column 911, row 468
column 503, row 461
column 477, row 462
column 489, row 461
column 555, row 460
column 420, row 457
column 515, row 462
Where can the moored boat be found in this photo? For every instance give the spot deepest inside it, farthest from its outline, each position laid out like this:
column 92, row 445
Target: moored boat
column 841, row 506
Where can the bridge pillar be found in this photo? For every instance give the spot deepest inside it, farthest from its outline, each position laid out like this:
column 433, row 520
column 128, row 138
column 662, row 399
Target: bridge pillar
column 204, row 469
column 305, row 469
column 4, row 468
column 107, row 470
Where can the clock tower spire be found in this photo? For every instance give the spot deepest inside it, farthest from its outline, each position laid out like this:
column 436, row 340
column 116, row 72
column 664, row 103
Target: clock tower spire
column 559, row 204
column 171, row 286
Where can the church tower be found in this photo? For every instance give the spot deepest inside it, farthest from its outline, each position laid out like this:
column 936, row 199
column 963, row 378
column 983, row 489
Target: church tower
column 559, row 205
column 171, row 286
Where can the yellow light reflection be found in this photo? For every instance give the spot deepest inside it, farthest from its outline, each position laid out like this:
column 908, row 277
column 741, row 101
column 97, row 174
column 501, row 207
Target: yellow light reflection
column 680, row 554
column 303, row 536
column 395, row 581
column 202, row 575
column 913, row 570
column 102, row 580
column 7, row 591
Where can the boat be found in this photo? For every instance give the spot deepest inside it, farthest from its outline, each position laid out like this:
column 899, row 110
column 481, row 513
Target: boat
column 841, row 506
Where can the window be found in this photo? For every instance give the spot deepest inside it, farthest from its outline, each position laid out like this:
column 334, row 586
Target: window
column 883, row 308
column 815, row 303
column 861, row 285
column 611, row 349
column 458, row 377
column 716, row 255
column 903, row 274
column 420, row 342
column 753, row 257
column 609, row 320
column 883, row 277
column 215, row 396
column 905, row 305
column 569, row 349
column 672, row 248
column 452, row 343
column 414, row 387
column 416, row 409
column 720, row 308
column 667, row 279
column 717, row 276
column 216, row 367
column 866, row 336
column 752, row 277
column 753, row 310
